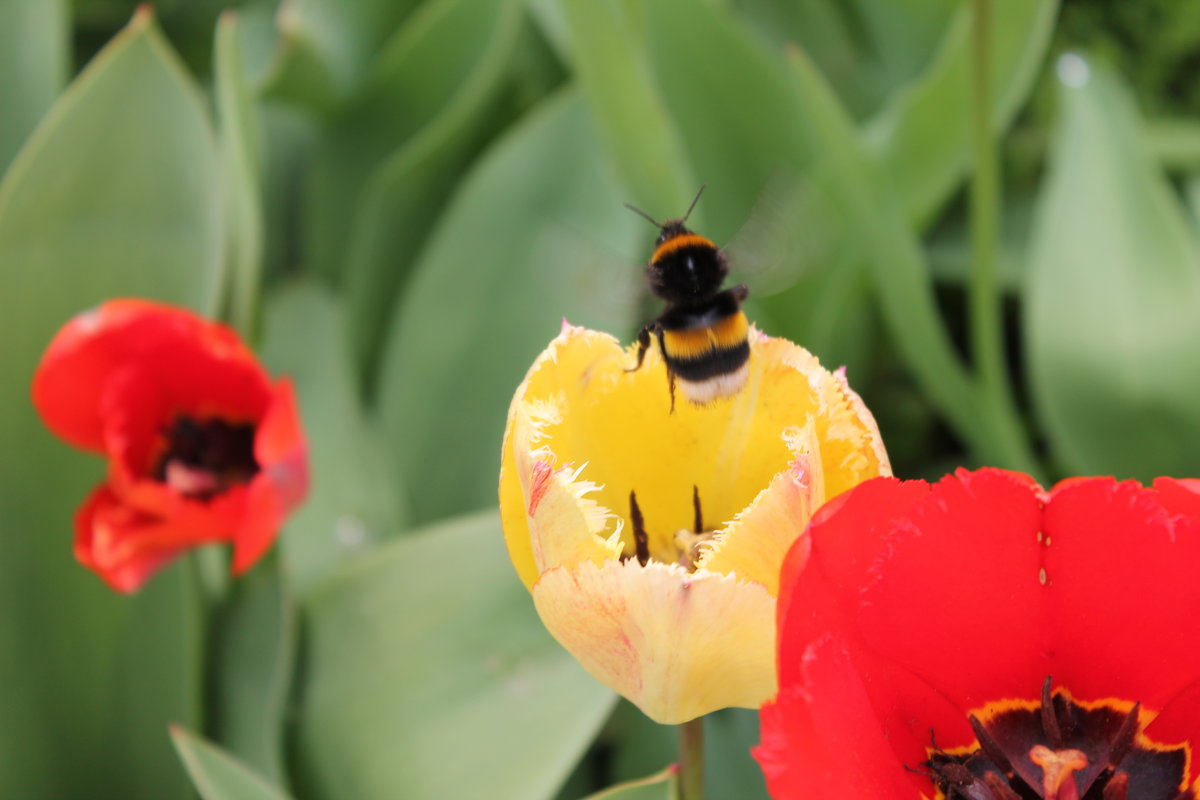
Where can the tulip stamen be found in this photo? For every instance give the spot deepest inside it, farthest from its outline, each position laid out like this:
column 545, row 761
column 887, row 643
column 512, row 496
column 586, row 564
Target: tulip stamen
column 641, row 542
column 205, row 457
column 688, row 542
column 1059, row 749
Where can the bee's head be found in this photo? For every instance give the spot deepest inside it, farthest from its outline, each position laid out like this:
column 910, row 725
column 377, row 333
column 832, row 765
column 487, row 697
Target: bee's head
column 670, row 229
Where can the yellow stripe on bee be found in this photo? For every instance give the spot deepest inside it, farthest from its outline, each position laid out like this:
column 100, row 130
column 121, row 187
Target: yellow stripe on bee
column 679, row 242
column 728, row 332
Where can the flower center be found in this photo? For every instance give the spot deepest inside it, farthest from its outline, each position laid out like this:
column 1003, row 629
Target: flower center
column 684, row 545
column 1060, row 749
column 205, row 457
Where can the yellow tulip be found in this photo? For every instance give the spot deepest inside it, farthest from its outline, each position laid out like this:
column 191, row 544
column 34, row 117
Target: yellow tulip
column 594, row 454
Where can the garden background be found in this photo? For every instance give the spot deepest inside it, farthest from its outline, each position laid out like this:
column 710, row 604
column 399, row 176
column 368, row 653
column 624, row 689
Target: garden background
column 991, row 222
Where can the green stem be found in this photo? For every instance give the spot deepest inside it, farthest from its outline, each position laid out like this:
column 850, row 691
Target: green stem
column 987, row 324
column 691, row 760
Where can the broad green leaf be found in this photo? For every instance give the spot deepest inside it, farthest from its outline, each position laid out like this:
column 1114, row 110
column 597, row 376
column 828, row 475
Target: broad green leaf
column 662, row 785
column 730, row 770
column 409, row 189
column 864, row 47
column 705, row 59
column 114, row 194
column 34, row 59
column 216, row 774
column 641, row 746
column 922, row 134
column 489, row 294
column 445, row 60
column 354, row 500
column 1113, row 290
column 827, row 31
column 429, row 675
column 254, row 642
column 857, row 185
column 325, row 46
column 611, row 64
column 241, row 169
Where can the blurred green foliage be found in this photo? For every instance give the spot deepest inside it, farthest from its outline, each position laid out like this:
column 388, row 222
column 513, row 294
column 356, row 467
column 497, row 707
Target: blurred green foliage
column 398, row 201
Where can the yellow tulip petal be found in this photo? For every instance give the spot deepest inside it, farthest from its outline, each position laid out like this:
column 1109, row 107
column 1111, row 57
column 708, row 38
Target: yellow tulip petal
column 677, row 645
column 587, row 434
column 752, row 547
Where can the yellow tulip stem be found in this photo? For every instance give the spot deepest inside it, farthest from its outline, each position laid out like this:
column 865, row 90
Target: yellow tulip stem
column 691, row 760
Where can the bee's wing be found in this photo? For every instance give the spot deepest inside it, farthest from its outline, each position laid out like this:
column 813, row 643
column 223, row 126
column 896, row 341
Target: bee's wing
column 609, row 285
column 793, row 229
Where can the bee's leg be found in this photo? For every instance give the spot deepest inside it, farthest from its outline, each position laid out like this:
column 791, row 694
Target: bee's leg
column 670, row 372
column 643, row 341
column 740, row 292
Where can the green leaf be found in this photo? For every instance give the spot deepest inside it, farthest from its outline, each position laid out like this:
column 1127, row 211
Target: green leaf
column 430, row 676
column 640, row 745
column 1112, row 295
column 216, row 774
column 859, row 190
column 662, row 785
column 114, row 194
column 326, row 45
column 922, row 134
column 447, row 54
column 34, row 59
column 241, row 162
column 489, row 294
column 612, row 66
column 354, row 499
column 254, row 643
column 760, row 174
column 405, row 193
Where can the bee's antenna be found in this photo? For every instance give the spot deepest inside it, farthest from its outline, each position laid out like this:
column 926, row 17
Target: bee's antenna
column 695, row 200
column 641, row 213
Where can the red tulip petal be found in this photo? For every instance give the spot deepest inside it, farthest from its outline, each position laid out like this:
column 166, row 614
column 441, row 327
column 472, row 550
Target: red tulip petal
column 1121, row 571
column 842, row 538
column 282, row 483
column 820, row 738
column 933, row 594
column 123, row 546
column 954, row 595
column 1179, row 722
column 198, row 367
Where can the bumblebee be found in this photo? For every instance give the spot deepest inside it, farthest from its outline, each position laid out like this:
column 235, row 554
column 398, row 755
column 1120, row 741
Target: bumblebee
column 702, row 332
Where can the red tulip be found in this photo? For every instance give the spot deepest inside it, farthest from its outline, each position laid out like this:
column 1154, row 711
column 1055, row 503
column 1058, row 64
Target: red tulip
column 201, row 445
column 982, row 638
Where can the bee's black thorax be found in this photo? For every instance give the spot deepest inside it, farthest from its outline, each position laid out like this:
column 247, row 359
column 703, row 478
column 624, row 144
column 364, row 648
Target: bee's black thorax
column 685, row 267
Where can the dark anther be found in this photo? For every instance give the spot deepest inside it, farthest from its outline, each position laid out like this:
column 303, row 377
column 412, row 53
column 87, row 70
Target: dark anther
column 204, row 457
column 953, row 775
column 1123, row 741
column 1049, row 718
column 696, row 508
column 999, row 786
column 1065, row 716
column 640, row 542
column 990, row 747
column 1117, row 787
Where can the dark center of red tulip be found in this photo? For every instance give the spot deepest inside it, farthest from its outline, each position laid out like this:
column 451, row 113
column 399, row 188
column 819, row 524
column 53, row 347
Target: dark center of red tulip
column 1060, row 749
column 205, row 457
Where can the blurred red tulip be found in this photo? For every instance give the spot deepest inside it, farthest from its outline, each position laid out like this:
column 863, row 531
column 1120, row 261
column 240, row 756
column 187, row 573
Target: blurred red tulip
column 201, row 445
